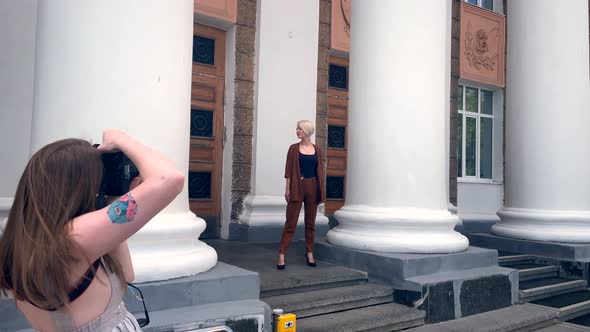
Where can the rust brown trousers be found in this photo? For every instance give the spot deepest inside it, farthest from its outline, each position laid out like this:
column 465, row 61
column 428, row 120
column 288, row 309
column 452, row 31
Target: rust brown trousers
column 309, row 191
column 293, row 209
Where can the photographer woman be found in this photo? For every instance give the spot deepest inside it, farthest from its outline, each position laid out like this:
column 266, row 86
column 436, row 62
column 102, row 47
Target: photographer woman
column 65, row 262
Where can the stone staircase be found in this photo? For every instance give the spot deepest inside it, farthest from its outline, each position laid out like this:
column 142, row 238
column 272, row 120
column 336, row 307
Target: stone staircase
column 541, row 284
column 346, row 303
column 328, row 297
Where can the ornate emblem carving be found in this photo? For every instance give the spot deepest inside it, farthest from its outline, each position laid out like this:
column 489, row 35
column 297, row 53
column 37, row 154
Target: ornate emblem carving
column 346, row 9
column 477, row 50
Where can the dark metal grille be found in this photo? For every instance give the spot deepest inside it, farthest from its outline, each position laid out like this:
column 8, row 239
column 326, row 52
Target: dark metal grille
column 338, row 77
column 335, row 187
column 336, row 137
column 201, row 123
column 199, row 185
column 203, row 50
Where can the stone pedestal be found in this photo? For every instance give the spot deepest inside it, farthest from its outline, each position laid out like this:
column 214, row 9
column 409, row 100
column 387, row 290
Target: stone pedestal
column 446, row 286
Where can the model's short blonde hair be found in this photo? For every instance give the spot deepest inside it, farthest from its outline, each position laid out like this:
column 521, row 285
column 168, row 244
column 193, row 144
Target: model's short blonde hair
column 307, row 127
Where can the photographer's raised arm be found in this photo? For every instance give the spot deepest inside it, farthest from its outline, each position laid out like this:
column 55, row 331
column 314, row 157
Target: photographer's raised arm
column 99, row 232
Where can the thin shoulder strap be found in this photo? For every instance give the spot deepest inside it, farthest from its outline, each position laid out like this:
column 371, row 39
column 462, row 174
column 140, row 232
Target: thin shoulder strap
column 85, row 282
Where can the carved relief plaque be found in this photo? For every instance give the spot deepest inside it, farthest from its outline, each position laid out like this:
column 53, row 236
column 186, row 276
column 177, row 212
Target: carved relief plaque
column 483, row 41
column 226, row 10
column 340, row 38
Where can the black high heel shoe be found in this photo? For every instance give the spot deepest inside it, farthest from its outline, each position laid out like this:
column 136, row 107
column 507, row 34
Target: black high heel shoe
column 309, row 263
column 280, row 267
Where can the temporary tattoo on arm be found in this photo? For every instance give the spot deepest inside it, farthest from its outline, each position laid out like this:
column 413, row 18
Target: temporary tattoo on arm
column 123, row 209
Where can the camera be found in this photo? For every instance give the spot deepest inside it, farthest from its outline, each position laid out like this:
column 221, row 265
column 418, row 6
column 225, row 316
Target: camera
column 118, row 172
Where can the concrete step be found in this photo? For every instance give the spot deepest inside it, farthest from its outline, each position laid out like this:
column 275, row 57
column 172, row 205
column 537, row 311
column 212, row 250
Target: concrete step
column 569, row 305
column 291, row 280
column 564, row 327
column 379, row 318
column 536, row 289
column 515, row 258
column 581, row 321
column 530, row 271
column 330, row 300
column 521, row 318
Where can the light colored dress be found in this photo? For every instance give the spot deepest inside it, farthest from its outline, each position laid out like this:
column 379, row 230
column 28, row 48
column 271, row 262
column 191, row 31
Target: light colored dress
column 115, row 318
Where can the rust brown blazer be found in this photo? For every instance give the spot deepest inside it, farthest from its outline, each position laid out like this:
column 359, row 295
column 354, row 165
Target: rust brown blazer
column 292, row 171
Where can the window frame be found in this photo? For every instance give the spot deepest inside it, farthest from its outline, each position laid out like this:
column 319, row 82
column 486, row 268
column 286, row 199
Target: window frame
column 480, row 4
column 461, row 111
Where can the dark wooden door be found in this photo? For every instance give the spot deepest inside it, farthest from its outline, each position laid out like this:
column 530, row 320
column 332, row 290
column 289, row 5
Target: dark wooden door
column 206, row 126
column 337, row 134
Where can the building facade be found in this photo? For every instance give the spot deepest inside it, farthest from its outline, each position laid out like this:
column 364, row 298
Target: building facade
column 432, row 117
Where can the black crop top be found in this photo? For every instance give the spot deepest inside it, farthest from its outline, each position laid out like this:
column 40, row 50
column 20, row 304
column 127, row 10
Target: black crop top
column 75, row 293
column 308, row 165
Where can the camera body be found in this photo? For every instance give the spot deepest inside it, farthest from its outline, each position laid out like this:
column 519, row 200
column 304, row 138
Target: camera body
column 118, row 173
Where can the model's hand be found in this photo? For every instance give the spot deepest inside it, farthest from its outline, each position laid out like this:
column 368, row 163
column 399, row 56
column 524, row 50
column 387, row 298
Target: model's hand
column 287, row 196
column 110, row 139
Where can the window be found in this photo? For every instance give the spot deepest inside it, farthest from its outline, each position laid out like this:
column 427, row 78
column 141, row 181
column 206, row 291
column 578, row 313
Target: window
column 487, row 4
column 475, row 121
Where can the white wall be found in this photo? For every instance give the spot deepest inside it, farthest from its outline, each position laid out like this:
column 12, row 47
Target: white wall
column 18, row 20
column 286, row 85
column 479, row 198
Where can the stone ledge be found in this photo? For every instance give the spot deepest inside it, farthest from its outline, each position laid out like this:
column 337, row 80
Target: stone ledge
column 446, row 286
column 396, row 268
column 222, row 283
column 561, row 251
column 246, row 315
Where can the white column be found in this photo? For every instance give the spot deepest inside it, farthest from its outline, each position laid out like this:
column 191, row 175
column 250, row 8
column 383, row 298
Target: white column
column 107, row 64
column 396, row 195
column 547, row 189
column 287, row 50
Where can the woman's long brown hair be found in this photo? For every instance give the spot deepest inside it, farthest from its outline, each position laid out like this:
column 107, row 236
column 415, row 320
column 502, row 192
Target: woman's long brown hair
column 59, row 183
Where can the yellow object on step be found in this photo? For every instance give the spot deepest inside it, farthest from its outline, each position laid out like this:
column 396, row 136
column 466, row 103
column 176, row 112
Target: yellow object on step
column 286, row 323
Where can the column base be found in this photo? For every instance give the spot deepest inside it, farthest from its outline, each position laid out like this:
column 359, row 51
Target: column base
column 544, row 225
column 168, row 247
column 263, row 220
column 397, row 230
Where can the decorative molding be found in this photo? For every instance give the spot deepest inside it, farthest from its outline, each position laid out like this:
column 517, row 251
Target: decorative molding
column 225, row 10
column 482, row 45
column 340, row 35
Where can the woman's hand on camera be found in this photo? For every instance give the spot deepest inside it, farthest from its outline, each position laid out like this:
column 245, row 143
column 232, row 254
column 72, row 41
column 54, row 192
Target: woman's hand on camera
column 110, row 139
